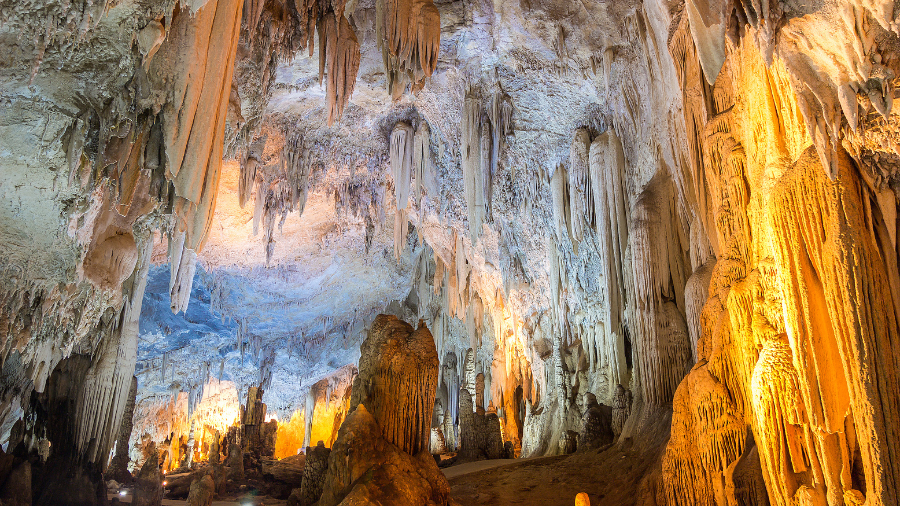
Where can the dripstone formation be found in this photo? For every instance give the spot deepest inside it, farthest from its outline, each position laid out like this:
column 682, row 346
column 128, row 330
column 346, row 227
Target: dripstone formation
column 653, row 240
column 397, row 378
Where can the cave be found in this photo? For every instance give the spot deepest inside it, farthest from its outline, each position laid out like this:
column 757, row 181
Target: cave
column 449, row 252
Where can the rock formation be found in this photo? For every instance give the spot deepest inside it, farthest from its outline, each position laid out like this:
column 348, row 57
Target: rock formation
column 683, row 210
column 202, row 492
column 314, row 474
column 392, row 474
column 397, row 380
column 148, row 489
column 596, row 425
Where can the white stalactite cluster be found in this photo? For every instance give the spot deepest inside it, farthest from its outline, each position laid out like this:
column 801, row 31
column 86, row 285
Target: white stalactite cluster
column 483, row 130
column 411, row 164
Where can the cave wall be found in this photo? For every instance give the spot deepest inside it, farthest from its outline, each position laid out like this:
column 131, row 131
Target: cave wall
column 788, row 336
column 101, row 102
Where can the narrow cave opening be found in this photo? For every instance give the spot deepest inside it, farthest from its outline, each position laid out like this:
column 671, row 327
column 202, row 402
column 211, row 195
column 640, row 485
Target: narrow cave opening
column 629, row 352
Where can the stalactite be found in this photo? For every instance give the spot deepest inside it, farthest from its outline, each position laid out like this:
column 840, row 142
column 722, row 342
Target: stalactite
column 501, row 126
column 409, row 35
column 402, row 159
column 426, row 179
column 581, row 196
column 402, row 155
column 562, row 213
column 182, row 265
column 473, row 180
column 296, row 165
column 339, row 52
column 194, row 148
column 248, row 176
column 607, row 164
column 696, row 292
column 664, row 349
column 837, row 277
column 486, row 169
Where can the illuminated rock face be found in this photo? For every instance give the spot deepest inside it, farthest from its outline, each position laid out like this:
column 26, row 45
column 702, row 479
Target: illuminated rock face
column 392, row 474
column 683, row 207
column 397, row 379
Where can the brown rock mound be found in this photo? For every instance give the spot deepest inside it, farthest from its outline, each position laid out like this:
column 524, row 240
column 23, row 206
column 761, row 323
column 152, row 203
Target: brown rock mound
column 364, row 468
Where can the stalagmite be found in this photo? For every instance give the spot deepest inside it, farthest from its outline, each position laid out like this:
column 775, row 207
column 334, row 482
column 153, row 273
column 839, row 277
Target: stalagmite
column 621, row 409
column 314, row 474
column 467, row 444
column 105, row 390
column 364, row 467
column 397, row 381
column 596, row 425
column 148, row 489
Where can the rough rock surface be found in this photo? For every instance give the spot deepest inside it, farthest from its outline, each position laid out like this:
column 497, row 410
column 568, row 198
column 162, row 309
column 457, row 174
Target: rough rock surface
column 202, row 491
column 364, row 468
column 16, row 490
column 289, row 470
column 398, row 371
column 148, row 490
column 596, row 425
column 314, row 474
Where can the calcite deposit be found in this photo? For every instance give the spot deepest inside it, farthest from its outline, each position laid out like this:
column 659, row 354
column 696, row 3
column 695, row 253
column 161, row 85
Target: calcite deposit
column 328, row 250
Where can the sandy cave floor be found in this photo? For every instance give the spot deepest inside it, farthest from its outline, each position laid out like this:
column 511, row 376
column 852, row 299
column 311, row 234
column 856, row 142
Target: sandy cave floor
column 610, row 476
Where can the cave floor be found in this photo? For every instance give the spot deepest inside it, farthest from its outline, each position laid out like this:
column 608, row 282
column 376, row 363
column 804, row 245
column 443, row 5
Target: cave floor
column 610, row 476
column 237, row 501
